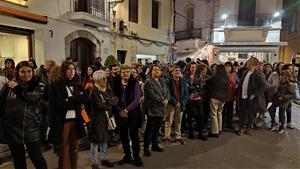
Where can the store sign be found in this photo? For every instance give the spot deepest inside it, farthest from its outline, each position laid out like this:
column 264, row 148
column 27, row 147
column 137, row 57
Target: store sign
column 19, row 2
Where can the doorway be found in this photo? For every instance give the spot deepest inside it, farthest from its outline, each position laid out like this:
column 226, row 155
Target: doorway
column 84, row 51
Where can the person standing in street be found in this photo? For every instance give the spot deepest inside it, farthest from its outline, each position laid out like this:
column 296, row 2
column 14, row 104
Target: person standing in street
column 231, row 96
column 66, row 121
column 20, row 115
column 102, row 101
column 282, row 99
column 251, row 98
column 218, row 91
column 178, row 99
column 128, row 115
column 43, row 72
column 156, row 99
column 195, row 104
column 9, row 69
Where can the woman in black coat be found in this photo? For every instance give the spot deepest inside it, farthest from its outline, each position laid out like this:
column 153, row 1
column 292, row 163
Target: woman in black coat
column 102, row 101
column 128, row 114
column 20, row 114
column 66, row 125
column 218, row 91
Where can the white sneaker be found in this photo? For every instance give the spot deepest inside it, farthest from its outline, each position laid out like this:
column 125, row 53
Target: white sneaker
column 290, row 126
column 274, row 127
column 281, row 130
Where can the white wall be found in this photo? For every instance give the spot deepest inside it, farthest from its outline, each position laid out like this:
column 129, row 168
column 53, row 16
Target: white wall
column 231, row 7
column 143, row 28
column 47, row 47
column 268, row 6
column 201, row 11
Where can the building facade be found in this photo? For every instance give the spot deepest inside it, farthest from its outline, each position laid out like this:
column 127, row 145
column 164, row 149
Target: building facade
column 245, row 28
column 232, row 30
column 291, row 30
column 85, row 29
column 193, row 20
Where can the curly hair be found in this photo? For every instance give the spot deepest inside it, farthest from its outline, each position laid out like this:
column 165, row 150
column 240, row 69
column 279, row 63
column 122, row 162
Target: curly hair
column 54, row 75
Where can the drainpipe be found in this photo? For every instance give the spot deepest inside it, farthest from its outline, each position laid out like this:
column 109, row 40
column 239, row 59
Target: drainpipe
column 174, row 18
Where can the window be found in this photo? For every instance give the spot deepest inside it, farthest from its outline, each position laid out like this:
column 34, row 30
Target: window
column 121, row 56
column 293, row 23
column 247, row 13
column 190, row 19
column 155, row 14
column 15, row 43
column 243, row 56
column 133, row 11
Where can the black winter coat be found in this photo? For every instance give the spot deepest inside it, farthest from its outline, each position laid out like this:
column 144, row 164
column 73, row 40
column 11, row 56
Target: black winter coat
column 59, row 103
column 98, row 131
column 136, row 116
column 20, row 113
column 218, row 87
column 257, row 86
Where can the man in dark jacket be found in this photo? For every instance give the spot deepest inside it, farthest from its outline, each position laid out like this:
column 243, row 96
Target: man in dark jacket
column 251, row 96
column 177, row 102
column 97, row 64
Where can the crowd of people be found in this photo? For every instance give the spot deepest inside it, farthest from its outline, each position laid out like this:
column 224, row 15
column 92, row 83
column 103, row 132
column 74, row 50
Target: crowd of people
column 188, row 98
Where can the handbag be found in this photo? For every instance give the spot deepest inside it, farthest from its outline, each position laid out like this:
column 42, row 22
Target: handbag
column 111, row 125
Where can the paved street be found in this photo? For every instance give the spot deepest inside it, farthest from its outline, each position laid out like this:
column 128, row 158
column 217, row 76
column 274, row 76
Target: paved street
column 265, row 150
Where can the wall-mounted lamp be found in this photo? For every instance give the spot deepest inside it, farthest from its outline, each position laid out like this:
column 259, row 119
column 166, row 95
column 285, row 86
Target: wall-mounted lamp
column 277, row 14
column 122, row 26
column 224, row 16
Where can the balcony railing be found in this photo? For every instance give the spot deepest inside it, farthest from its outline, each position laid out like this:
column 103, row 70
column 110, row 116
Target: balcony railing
column 263, row 19
column 188, row 34
column 97, row 8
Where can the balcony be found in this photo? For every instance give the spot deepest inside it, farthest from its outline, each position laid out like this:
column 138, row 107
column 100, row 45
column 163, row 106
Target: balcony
column 188, row 34
column 246, row 34
column 94, row 13
column 263, row 20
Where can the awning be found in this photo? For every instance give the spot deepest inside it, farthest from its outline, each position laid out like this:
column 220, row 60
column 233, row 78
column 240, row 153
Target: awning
column 23, row 15
column 248, row 49
column 249, row 46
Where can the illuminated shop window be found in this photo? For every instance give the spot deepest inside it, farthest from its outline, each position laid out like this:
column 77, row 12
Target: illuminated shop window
column 19, row 2
column 13, row 46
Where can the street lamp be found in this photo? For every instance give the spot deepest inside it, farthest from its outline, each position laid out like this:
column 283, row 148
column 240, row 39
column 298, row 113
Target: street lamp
column 224, row 17
column 276, row 15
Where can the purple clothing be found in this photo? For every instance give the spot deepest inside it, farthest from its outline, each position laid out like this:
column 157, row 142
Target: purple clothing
column 134, row 103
